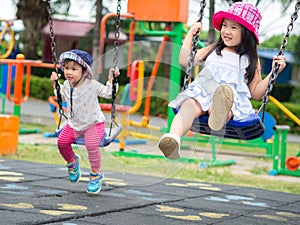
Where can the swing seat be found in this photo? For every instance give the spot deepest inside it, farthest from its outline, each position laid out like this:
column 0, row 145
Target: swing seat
column 105, row 141
column 248, row 129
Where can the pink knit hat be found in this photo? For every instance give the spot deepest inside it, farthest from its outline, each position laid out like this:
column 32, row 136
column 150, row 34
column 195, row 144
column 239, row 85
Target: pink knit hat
column 243, row 13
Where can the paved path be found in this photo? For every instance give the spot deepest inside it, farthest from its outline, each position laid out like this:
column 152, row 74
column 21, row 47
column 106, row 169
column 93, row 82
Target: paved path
column 32, row 193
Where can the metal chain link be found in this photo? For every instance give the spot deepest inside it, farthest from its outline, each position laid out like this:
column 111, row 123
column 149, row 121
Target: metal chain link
column 117, row 35
column 115, row 64
column 274, row 74
column 52, row 36
column 188, row 71
column 54, row 61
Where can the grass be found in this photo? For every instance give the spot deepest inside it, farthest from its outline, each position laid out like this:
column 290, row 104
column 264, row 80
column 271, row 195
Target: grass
column 159, row 167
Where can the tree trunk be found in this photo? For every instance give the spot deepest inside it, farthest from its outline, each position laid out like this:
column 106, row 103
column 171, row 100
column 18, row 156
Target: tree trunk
column 34, row 15
column 211, row 31
column 96, row 37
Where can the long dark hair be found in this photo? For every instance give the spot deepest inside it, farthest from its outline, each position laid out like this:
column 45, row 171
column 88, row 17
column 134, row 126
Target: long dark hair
column 248, row 46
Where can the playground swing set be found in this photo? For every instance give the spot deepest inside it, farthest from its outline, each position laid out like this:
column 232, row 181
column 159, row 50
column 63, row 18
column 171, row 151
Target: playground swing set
column 251, row 129
column 114, row 129
column 178, row 15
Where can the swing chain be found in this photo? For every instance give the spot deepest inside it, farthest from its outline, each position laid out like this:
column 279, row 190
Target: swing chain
column 52, row 36
column 290, row 27
column 115, row 64
column 274, row 74
column 117, row 35
column 54, row 61
column 188, row 72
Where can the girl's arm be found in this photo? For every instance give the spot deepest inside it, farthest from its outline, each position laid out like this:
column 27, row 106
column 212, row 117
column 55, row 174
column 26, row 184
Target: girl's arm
column 258, row 85
column 186, row 47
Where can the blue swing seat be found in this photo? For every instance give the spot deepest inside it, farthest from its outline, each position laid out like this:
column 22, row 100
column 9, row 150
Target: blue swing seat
column 248, row 129
column 105, row 141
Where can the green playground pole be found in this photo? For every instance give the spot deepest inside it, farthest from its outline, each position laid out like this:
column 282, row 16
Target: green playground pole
column 283, row 132
column 276, row 152
column 2, row 95
column 280, row 137
column 175, row 70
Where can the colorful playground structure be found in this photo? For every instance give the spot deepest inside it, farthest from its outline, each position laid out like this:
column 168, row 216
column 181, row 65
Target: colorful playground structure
column 12, row 74
column 7, row 39
column 143, row 12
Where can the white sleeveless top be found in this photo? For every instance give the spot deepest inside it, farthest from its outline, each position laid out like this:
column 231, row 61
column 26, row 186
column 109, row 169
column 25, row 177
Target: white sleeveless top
column 229, row 69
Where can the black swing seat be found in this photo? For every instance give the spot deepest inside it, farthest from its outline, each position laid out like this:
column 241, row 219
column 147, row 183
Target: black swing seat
column 105, row 141
column 248, row 129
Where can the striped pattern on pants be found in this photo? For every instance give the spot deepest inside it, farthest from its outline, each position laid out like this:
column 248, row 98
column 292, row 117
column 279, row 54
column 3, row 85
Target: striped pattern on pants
column 92, row 137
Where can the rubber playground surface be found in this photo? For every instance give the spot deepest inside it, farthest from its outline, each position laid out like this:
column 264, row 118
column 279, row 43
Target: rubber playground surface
column 34, row 193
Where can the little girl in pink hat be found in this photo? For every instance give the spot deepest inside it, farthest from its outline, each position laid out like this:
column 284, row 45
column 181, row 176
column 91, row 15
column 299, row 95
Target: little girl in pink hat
column 230, row 76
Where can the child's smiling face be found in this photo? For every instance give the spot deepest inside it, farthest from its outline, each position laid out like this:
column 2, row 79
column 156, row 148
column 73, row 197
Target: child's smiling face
column 231, row 33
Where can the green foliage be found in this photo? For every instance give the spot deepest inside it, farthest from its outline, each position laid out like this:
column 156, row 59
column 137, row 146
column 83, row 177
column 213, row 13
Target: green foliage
column 61, row 7
column 276, row 42
column 296, row 50
column 158, row 106
column 40, row 87
column 295, row 96
column 280, row 117
column 282, row 92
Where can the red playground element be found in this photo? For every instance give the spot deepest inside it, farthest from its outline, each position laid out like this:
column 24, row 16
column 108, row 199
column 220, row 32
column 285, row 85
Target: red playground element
column 292, row 163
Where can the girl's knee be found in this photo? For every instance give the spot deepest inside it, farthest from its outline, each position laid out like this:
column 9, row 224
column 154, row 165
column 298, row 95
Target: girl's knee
column 63, row 143
column 192, row 104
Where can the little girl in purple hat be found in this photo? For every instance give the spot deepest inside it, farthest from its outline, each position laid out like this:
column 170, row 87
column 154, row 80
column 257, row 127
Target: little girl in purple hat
column 231, row 75
column 85, row 117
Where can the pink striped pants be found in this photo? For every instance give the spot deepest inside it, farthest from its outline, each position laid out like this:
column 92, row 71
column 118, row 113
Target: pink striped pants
column 92, row 137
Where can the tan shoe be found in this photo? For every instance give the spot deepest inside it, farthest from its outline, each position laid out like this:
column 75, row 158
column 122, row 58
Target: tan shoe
column 221, row 106
column 169, row 144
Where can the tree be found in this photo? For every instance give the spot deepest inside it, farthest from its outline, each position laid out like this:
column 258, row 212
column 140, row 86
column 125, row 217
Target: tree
column 211, row 31
column 34, row 15
column 96, row 35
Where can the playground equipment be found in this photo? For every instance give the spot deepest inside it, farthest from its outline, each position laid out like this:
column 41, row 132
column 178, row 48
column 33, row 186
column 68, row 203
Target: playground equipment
column 177, row 14
column 111, row 133
column 260, row 142
column 292, row 163
column 281, row 164
column 135, row 91
column 279, row 154
column 7, row 39
column 20, row 65
column 273, row 141
column 9, row 130
column 252, row 127
column 106, row 140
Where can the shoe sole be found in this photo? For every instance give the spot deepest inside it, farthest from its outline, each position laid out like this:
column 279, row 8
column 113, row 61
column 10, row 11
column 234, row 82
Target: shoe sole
column 93, row 193
column 221, row 106
column 169, row 147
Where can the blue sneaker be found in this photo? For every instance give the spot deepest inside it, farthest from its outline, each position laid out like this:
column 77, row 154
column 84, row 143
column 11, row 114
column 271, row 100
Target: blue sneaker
column 95, row 183
column 74, row 170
